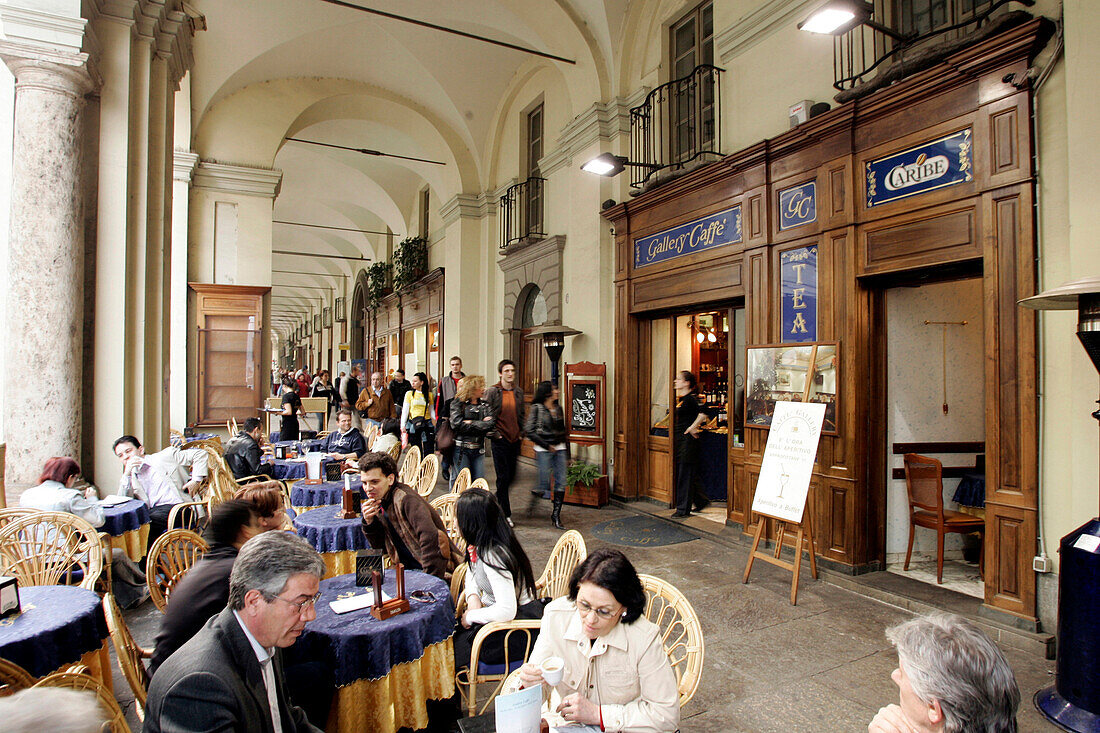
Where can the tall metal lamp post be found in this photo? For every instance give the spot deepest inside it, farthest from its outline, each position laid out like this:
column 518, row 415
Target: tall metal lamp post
column 1073, row 701
column 553, row 340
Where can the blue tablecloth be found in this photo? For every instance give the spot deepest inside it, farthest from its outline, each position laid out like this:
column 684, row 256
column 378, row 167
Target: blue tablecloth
column 357, row 646
column 59, row 624
column 175, row 440
column 324, row 529
column 971, row 490
column 311, row 444
column 330, row 492
column 122, row 518
column 291, row 470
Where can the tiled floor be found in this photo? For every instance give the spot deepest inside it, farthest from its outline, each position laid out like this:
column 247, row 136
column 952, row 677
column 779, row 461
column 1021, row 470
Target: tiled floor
column 823, row 665
column 958, row 576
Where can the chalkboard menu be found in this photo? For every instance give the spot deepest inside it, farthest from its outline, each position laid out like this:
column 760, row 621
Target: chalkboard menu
column 584, row 402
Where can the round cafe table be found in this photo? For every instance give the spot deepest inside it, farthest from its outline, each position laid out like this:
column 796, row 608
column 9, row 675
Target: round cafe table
column 292, row 469
column 336, row 539
column 385, row 671
column 128, row 525
column 60, row 625
column 304, row 497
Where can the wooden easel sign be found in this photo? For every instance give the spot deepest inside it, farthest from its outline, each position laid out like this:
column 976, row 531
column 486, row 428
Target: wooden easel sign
column 784, row 484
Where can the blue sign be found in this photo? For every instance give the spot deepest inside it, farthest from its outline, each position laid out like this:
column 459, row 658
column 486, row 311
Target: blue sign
column 798, row 293
column 797, row 206
column 940, row 163
column 695, row 236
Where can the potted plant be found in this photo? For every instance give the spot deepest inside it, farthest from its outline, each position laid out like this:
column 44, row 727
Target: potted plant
column 379, row 276
column 410, row 262
column 587, row 486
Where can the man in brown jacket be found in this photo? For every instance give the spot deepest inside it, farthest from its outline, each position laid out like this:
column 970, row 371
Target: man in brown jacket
column 376, row 401
column 399, row 520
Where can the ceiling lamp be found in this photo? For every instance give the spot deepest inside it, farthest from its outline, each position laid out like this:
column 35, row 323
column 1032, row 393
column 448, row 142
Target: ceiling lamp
column 609, row 164
column 840, row 16
column 711, row 337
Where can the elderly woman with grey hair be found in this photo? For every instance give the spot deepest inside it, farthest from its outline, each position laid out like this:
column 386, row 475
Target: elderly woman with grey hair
column 951, row 677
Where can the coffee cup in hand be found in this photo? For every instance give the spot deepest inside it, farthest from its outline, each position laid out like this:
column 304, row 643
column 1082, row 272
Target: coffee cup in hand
column 552, row 670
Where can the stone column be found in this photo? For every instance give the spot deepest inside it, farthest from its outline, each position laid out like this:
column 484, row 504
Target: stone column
column 43, row 334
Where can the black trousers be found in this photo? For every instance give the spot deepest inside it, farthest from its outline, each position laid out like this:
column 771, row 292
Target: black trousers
column 689, row 491
column 505, row 457
column 158, row 521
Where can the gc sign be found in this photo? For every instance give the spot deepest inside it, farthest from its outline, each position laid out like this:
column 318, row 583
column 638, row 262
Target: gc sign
column 797, row 205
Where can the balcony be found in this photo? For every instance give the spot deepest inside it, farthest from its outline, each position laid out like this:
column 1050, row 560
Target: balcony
column 678, row 123
column 521, row 213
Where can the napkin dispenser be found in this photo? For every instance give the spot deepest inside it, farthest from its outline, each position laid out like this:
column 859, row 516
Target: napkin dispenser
column 280, row 452
column 9, row 596
column 313, row 467
column 367, row 562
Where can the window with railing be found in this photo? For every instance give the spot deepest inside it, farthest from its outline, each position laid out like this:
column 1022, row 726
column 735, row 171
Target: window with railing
column 691, row 108
column 521, row 212
column 534, row 150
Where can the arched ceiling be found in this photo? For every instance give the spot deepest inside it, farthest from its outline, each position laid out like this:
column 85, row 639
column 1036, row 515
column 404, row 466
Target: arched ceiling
column 271, row 69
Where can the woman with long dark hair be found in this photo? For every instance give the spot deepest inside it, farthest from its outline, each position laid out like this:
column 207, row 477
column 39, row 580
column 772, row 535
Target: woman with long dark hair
column 546, row 429
column 500, row 584
column 688, row 420
column 418, row 414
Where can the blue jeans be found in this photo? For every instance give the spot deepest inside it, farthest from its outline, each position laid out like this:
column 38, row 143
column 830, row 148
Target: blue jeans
column 547, row 461
column 470, row 458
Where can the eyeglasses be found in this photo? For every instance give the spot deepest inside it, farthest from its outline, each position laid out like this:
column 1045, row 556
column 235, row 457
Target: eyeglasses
column 300, row 605
column 423, row 596
column 585, row 609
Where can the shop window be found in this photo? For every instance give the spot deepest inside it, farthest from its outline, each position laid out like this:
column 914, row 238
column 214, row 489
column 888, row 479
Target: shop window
column 425, row 200
column 532, row 366
column 415, row 352
column 659, row 379
column 692, row 109
column 534, row 154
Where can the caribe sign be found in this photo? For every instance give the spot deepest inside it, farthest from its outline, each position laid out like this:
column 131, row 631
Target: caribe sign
column 711, row 231
column 942, row 162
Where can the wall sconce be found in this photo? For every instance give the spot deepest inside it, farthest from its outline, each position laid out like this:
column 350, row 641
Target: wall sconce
column 837, row 17
column 609, row 164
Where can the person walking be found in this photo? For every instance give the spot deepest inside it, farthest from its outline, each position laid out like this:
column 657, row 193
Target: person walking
column 349, row 394
column 687, row 422
column 418, row 414
column 471, row 421
column 448, row 386
column 546, row 429
column 508, row 410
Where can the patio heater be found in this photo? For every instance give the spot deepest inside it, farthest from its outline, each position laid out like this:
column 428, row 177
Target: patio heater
column 553, row 340
column 1073, row 701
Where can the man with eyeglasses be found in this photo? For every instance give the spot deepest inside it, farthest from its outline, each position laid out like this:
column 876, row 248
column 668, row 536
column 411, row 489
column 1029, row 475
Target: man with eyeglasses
column 229, row 676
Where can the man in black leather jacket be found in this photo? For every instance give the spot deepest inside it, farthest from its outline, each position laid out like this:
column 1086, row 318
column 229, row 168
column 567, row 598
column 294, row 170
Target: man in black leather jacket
column 243, row 452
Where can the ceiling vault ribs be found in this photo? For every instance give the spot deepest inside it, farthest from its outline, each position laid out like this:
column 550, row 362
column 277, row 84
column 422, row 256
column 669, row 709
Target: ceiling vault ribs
column 365, row 151
column 453, row 31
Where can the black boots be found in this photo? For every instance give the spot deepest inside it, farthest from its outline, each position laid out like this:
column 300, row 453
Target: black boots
column 555, row 516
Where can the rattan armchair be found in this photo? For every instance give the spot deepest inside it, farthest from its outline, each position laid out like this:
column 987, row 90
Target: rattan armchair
column 13, row 678
column 426, row 475
column 170, row 557
column 681, row 632
column 192, row 515
column 468, row 678
column 567, row 554
column 395, row 451
column 478, row 483
column 131, row 657
column 409, row 465
column 445, row 505
column 462, row 481
column 83, row 682
column 51, row 548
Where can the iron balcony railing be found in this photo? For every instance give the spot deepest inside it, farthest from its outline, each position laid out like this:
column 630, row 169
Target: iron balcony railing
column 677, row 123
column 521, row 212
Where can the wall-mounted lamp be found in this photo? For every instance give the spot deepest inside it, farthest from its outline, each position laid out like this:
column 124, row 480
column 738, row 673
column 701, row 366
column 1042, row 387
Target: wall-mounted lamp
column 553, row 340
column 609, row 164
column 840, row 16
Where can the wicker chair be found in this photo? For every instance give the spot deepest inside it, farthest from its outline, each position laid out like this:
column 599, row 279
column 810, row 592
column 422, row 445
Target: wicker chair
column 395, row 451
column 14, row 678
column 445, row 505
column 170, row 557
column 458, row 582
column 192, row 515
column 681, row 632
column 462, row 481
column 409, row 465
column 48, row 548
column 175, row 437
column 215, row 443
column 567, row 554
column 370, row 434
column 468, row 679
column 76, row 681
column 222, row 485
column 131, row 657
column 426, row 475
column 478, row 483
column 9, row 513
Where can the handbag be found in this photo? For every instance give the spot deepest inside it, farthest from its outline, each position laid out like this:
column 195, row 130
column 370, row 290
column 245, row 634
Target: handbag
column 444, row 435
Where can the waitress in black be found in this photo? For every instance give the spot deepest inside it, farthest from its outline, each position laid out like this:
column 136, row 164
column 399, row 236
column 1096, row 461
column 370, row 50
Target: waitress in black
column 688, row 420
column 292, row 405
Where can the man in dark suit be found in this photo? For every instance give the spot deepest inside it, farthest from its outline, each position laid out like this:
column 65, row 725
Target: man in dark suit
column 229, row 676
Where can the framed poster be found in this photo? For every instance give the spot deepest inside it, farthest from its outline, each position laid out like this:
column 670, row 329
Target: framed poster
column 792, row 373
column 582, row 396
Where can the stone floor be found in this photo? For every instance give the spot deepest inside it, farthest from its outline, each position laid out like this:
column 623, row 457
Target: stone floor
column 823, row 665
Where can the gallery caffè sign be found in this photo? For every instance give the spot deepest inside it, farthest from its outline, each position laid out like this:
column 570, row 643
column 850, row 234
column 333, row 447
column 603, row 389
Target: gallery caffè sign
column 716, row 230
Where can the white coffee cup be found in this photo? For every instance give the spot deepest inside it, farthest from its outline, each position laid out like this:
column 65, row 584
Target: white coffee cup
column 552, row 670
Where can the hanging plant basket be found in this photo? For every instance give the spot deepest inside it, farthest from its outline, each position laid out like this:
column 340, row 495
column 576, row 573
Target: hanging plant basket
column 410, row 262
column 379, row 283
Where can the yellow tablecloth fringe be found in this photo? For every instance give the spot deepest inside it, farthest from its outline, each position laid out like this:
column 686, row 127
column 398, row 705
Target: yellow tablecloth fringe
column 133, row 543
column 98, row 662
column 398, row 699
column 338, row 563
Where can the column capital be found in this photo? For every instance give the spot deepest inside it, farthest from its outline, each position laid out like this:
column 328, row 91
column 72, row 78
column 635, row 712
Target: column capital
column 55, row 71
column 184, row 163
column 238, row 179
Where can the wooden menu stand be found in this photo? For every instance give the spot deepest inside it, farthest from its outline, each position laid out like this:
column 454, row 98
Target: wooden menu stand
column 394, row 606
column 805, row 535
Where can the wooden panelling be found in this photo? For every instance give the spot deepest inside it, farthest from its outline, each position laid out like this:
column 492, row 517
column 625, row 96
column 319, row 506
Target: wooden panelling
column 948, row 237
column 707, row 283
column 1010, row 543
column 1003, row 156
column 757, row 218
column 659, row 485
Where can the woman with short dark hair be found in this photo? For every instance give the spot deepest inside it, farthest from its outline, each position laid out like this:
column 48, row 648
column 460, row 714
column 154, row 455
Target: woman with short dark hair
column 546, row 429
column 617, row 674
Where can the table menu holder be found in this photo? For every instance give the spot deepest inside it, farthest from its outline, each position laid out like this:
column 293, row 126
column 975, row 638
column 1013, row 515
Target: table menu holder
column 398, row 604
column 367, row 562
column 280, row 452
column 9, row 596
column 351, row 501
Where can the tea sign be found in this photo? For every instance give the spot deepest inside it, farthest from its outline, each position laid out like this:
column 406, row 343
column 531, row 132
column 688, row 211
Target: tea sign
column 788, row 463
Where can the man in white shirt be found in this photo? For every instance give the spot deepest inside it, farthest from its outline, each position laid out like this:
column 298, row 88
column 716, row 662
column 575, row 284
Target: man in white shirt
column 161, row 479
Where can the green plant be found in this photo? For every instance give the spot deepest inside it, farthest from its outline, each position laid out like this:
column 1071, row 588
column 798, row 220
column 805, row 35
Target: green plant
column 581, row 472
column 379, row 276
column 410, row 262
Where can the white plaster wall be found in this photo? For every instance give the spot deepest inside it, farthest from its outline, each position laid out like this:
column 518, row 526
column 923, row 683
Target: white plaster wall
column 915, row 391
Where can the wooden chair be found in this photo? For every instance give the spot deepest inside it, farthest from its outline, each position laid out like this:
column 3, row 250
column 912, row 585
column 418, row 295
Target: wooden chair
column 462, row 481
column 426, row 474
column 468, row 679
column 221, row 484
column 681, row 632
column 445, row 505
column 407, row 471
column 170, row 557
column 131, row 657
column 51, row 548
column 567, row 554
column 478, row 483
column 13, row 678
column 924, row 484
column 83, row 682
column 231, row 426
